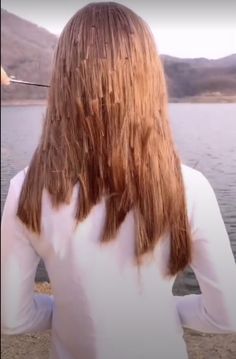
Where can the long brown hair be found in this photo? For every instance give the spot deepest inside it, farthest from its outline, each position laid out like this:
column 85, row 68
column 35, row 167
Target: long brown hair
column 107, row 128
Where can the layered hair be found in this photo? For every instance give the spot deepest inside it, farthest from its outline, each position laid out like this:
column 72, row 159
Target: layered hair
column 107, row 128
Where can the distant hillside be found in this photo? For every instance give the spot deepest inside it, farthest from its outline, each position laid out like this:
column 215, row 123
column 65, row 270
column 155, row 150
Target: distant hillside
column 27, row 52
column 197, row 77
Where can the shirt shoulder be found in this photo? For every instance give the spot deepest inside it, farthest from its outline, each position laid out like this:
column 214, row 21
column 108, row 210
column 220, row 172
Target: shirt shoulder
column 195, row 181
column 191, row 175
column 17, row 181
column 198, row 191
column 19, row 176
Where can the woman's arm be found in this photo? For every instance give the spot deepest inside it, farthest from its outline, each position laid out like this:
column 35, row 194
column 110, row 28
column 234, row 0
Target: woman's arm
column 213, row 264
column 21, row 310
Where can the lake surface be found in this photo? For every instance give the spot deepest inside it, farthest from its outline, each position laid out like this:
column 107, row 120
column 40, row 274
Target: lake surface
column 205, row 135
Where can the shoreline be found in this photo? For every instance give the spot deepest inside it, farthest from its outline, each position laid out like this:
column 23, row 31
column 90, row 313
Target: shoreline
column 207, row 99
column 37, row 345
column 7, row 103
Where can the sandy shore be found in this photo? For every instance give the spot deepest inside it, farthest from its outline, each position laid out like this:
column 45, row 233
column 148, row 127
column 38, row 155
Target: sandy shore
column 200, row 346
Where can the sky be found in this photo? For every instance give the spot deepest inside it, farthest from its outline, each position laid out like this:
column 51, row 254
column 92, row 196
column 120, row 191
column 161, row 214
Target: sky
column 182, row 28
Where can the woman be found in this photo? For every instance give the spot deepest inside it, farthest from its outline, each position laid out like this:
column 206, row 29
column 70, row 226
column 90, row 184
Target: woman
column 108, row 206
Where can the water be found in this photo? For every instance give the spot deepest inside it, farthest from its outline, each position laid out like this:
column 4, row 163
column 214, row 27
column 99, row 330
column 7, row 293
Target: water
column 205, row 135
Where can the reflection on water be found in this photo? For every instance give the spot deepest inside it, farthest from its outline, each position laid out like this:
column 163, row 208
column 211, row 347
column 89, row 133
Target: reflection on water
column 205, row 135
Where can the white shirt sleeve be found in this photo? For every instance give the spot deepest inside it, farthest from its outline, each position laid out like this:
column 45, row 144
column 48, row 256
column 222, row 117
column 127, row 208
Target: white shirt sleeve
column 22, row 311
column 214, row 310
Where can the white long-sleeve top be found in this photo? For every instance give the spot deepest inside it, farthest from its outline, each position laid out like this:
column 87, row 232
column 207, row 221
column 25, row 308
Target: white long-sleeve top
column 103, row 307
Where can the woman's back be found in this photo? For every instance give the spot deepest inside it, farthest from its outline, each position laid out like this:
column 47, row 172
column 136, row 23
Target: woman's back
column 109, row 208
column 104, row 305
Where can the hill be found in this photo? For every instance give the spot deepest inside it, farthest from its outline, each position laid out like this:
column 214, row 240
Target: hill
column 27, row 52
column 201, row 77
